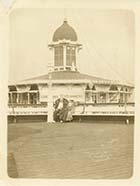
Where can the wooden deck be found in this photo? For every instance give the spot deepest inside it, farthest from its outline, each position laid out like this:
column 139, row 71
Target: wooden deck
column 71, row 150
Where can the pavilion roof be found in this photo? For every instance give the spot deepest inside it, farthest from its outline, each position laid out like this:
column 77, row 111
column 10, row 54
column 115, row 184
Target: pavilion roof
column 69, row 76
column 60, row 75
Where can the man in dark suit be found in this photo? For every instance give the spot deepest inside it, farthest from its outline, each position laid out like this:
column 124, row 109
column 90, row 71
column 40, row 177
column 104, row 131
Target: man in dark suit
column 61, row 110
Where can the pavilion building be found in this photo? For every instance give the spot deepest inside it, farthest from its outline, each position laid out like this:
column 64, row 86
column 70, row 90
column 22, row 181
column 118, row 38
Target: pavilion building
column 92, row 95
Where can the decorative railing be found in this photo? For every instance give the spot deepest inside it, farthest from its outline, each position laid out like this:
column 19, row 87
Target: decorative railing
column 16, row 105
column 80, row 109
column 106, row 104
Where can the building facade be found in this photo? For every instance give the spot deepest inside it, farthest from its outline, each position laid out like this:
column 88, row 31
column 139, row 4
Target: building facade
column 91, row 95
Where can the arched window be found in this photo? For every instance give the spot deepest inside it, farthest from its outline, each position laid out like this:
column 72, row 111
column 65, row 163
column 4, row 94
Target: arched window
column 94, row 96
column 87, row 87
column 113, row 88
column 122, row 88
column 12, row 88
column 93, row 87
column 113, row 96
column 12, row 94
column 34, row 94
column 34, row 87
column 88, row 93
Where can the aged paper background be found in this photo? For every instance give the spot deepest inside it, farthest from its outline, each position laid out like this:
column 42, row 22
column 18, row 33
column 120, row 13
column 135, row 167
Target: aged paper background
column 5, row 8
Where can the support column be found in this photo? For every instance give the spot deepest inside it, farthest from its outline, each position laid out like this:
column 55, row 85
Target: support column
column 38, row 98
column 78, row 48
column 8, row 97
column 52, row 49
column 28, row 97
column 118, row 97
column 52, row 57
column 126, row 97
column 97, row 97
column 21, row 98
column 64, row 56
column 123, row 97
column 93, row 97
column 17, row 97
column 107, row 97
column 125, row 101
column 11, row 95
column 76, row 57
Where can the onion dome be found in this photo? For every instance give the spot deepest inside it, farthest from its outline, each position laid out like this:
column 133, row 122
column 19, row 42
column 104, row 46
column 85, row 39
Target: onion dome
column 65, row 31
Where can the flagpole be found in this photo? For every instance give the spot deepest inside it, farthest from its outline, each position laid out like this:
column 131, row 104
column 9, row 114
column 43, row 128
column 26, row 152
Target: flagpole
column 50, row 101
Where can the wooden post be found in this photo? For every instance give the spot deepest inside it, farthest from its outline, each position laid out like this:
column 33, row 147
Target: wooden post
column 84, row 106
column 17, row 97
column 28, row 97
column 12, row 103
column 125, row 104
column 50, row 102
column 11, row 97
column 107, row 97
column 64, row 56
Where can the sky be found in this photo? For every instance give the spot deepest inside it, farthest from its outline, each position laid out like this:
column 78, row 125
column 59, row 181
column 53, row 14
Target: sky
column 107, row 37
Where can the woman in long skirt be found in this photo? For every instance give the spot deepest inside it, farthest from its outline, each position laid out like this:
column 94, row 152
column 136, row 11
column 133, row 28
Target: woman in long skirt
column 70, row 112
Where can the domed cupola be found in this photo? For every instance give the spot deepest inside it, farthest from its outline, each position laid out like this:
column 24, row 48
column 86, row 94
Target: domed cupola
column 65, row 31
column 65, row 48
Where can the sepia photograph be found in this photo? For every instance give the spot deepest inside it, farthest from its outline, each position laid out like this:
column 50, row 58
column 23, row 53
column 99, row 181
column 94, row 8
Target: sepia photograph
column 71, row 94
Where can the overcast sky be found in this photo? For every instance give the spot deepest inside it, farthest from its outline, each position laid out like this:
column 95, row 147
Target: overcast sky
column 107, row 37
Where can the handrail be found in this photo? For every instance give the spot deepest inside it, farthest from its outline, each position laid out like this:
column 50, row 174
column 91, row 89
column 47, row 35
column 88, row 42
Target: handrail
column 76, row 104
column 104, row 104
column 27, row 105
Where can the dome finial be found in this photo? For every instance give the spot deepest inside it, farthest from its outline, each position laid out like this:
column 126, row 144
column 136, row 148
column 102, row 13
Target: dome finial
column 65, row 20
column 65, row 31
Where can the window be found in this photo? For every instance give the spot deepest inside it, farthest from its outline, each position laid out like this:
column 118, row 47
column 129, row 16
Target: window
column 12, row 97
column 58, row 56
column 122, row 88
column 34, row 98
column 102, row 98
column 70, row 56
column 93, row 87
column 12, row 88
column 113, row 88
column 12, row 94
column 23, row 98
column 114, row 97
column 94, row 98
column 34, row 87
column 88, row 94
column 87, row 87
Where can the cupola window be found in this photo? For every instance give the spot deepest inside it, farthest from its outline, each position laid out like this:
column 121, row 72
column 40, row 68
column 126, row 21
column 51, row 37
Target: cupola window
column 70, row 56
column 58, row 55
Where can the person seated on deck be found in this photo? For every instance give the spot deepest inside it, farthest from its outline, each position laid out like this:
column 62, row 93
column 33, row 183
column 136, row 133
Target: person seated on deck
column 61, row 111
column 70, row 109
